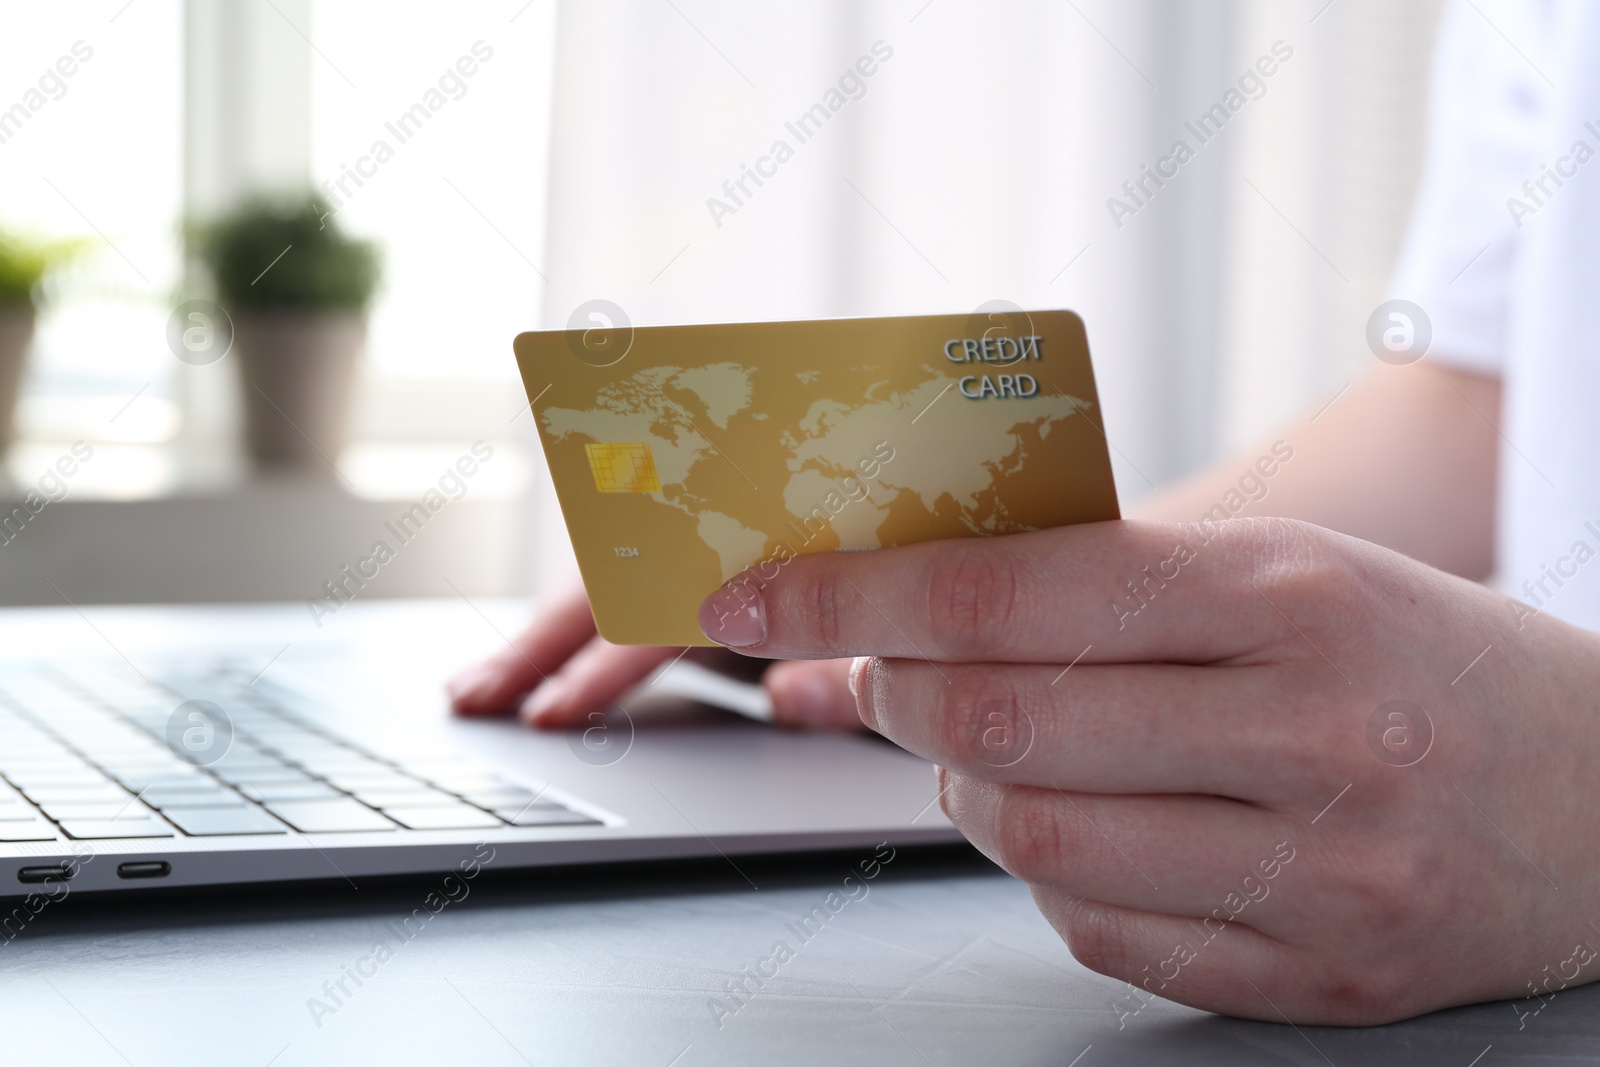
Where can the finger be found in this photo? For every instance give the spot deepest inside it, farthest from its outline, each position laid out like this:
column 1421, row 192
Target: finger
column 1233, row 970
column 1173, row 957
column 740, row 668
column 591, row 681
column 1215, row 860
column 1112, row 728
column 1127, row 591
column 812, row 693
column 497, row 684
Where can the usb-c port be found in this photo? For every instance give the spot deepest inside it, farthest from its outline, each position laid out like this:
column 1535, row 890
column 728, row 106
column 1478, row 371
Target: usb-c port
column 144, row 869
column 36, row 875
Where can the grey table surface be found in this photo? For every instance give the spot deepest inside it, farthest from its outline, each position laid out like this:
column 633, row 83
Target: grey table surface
column 943, row 961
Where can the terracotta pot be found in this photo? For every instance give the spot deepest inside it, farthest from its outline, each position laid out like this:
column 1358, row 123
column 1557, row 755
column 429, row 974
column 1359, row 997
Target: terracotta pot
column 16, row 334
column 298, row 374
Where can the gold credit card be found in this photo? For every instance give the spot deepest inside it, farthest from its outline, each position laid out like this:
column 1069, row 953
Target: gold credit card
column 684, row 454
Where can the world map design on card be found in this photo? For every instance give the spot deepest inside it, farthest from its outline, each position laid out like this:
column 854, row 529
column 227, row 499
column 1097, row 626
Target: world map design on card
column 684, row 454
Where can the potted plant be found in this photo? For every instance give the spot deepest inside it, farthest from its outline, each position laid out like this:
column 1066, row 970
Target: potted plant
column 297, row 290
column 24, row 263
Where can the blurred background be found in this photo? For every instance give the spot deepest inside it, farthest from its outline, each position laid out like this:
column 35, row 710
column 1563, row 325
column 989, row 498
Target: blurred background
column 594, row 150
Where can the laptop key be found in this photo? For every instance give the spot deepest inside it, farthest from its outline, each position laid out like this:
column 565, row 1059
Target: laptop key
column 275, row 791
column 420, row 797
column 75, row 779
column 258, row 775
column 218, row 798
column 104, row 793
column 167, row 783
column 545, row 817
column 115, row 812
column 342, row 816
column 36, row 829
column 150, row 763
column 223, row 822
column 508, row 798
column 237, row 756
column 471, row 783
column 180, row 785
column 107, row 829
column 380, row 778
column 454, row 817
column 356, row 766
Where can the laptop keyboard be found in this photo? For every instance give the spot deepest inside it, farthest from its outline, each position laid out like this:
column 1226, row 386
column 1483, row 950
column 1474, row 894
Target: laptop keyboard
column 100, row 754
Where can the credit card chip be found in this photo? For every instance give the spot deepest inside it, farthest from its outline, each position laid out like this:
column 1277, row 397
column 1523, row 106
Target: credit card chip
column 623, row 468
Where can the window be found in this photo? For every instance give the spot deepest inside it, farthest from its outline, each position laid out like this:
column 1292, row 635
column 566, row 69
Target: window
column 97, row 153
column 174, row 111
column 429, row 134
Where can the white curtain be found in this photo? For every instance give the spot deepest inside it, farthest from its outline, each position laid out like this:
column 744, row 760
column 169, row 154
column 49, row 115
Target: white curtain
column 976, row 162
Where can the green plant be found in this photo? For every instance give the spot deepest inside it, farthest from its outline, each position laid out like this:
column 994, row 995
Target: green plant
column 24, row 263
column 285, row 255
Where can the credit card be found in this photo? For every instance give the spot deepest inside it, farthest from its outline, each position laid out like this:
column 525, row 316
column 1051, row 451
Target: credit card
column 683, row 455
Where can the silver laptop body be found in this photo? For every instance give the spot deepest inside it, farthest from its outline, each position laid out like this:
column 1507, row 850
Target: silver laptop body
column 158, row 747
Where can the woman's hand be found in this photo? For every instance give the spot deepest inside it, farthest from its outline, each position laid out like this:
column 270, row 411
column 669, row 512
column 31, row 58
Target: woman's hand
column 558, row 670
column 1253, row 766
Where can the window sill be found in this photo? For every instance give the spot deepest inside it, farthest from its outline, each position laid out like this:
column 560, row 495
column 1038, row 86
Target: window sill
column 267, row 540
column 370, row 470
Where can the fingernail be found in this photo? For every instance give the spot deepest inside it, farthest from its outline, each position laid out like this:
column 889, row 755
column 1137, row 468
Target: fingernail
column 551, row 692
column 804, row 698
column 734, row 616
column 864, row 708
column 858, row 667
column 470, row 685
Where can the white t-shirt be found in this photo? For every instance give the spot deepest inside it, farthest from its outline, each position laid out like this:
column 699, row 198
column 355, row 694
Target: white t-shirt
column 1503, row 255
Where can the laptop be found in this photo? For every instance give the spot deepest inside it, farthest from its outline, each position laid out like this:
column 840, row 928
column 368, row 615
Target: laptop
column 149, row 747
